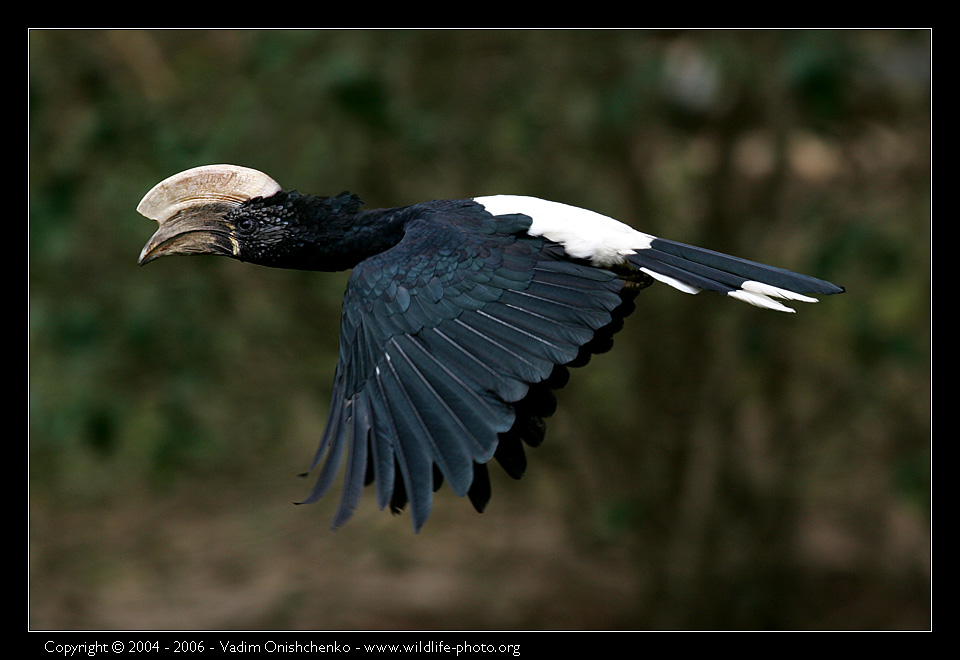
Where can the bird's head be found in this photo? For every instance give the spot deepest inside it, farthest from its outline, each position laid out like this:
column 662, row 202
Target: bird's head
column 200, row 212
column 241, row 213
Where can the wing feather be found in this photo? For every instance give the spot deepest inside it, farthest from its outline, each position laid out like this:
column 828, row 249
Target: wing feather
column 444, row 340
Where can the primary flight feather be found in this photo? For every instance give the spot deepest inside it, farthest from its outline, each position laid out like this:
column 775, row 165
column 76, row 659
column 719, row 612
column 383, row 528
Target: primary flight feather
column 459, row 319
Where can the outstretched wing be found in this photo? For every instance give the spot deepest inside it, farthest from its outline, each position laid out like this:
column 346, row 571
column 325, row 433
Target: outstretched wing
column 442, row 338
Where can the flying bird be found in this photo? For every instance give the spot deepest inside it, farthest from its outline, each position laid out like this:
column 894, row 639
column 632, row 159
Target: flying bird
column 460, row 317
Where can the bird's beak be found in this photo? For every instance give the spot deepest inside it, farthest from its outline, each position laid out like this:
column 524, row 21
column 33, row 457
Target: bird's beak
column 190, row 208
column 193, row 230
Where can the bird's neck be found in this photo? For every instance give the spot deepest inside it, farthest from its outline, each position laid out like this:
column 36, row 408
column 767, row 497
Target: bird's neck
column 335, row 233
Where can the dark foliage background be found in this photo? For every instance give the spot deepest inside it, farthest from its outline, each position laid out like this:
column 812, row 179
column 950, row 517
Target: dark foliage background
column 724, row 467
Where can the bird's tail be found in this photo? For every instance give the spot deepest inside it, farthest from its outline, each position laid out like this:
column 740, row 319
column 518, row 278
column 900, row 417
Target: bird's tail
column 692, row 269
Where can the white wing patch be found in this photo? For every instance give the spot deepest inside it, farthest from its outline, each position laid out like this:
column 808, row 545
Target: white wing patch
column 583, row 234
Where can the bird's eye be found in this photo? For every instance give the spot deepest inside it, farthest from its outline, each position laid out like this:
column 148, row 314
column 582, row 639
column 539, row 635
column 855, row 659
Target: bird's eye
column 246, row 225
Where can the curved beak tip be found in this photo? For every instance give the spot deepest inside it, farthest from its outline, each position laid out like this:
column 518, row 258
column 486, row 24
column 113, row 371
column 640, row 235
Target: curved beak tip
column 144, row 258
column 153, row 249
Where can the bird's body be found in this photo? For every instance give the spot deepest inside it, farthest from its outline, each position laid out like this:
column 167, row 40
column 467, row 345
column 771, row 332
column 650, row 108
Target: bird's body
column 459, row 317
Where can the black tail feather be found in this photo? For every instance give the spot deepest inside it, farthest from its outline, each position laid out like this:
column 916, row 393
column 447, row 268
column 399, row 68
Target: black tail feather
column 691, row 269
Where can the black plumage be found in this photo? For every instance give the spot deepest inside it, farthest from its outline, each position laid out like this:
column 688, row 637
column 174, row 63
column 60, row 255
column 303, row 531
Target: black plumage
column 458, row 321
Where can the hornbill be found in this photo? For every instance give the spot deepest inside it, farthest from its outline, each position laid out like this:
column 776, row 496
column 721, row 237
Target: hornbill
column 460, row 317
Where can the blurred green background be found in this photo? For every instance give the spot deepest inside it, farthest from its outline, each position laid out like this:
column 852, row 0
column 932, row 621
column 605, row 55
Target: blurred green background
column 724, row 467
